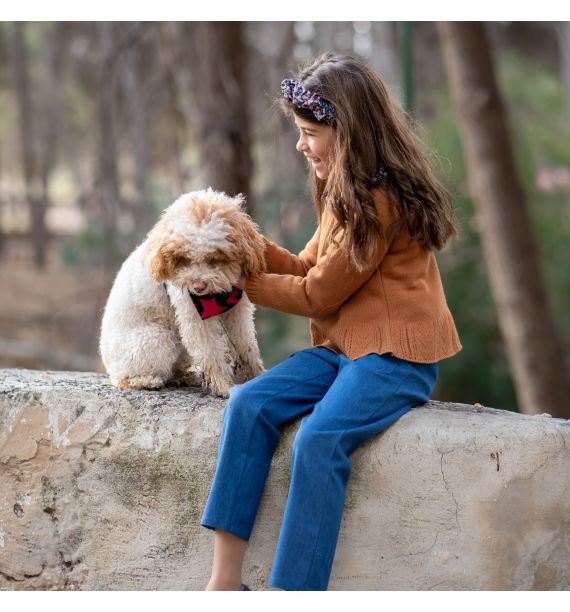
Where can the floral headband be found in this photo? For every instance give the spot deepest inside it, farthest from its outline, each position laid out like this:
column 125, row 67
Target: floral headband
column 303, row 98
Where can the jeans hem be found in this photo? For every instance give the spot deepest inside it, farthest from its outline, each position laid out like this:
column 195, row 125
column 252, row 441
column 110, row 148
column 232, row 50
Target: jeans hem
column 277, row 582
column 243, row 534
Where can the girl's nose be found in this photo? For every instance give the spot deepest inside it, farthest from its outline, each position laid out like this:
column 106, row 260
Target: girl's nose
column 301, row 145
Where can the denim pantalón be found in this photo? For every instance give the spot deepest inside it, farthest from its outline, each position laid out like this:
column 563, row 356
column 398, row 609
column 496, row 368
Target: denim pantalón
column 346, row 402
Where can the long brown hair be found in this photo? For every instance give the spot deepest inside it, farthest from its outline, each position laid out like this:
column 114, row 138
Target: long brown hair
column 372, row 132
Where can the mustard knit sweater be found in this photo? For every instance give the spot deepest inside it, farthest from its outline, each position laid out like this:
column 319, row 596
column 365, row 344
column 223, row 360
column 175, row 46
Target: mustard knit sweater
column 397, row 305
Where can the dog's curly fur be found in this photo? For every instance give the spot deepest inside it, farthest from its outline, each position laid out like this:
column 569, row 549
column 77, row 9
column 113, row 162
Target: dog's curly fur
column 151, row 332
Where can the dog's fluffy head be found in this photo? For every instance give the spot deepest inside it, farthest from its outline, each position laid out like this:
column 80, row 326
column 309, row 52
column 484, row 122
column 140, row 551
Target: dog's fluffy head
column 205, row 237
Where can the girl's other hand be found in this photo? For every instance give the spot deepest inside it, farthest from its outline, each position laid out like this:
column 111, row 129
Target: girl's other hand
column 241, row 282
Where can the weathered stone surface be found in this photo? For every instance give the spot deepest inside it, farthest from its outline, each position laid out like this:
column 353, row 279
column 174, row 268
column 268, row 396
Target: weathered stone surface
column 104, row 489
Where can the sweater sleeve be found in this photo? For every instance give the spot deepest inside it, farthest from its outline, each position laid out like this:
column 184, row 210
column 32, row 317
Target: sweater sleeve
column 326, row 285
column 280, row 261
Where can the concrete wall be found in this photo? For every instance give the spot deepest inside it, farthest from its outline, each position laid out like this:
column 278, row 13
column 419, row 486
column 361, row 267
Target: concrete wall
column 104, row 489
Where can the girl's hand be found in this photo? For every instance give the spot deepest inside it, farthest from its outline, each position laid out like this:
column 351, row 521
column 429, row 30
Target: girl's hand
column 241, row 282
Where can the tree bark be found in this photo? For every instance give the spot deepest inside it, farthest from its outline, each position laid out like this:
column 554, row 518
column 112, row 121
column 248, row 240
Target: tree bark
column 384, row 57
column 271, row 44
column 35, row 193
column 534, row 348
column 221, row 101
column 71, row 135
column 564, row 45
column 107, row 179
column 139, row 96
column 335, row 36
column 169, row 56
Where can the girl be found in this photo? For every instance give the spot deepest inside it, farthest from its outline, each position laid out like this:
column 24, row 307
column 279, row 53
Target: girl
column 369, row 281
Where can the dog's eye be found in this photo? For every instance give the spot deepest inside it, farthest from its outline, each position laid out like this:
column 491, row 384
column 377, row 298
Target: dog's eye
column 214, row 260
column 181, row 262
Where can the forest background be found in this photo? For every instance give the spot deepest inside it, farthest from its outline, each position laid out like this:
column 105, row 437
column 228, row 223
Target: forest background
column 104, row 124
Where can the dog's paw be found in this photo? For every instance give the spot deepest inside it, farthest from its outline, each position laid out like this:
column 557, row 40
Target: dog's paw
column 249, row 370
column 221, row 390
column 217, row 388
column 189, row 377
column 257, row 369
column 132, row 383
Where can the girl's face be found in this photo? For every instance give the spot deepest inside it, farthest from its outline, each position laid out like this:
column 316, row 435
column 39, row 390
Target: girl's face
column 316, row 143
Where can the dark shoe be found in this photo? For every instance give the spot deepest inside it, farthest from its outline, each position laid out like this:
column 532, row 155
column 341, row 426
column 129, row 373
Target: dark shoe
column 244, row 587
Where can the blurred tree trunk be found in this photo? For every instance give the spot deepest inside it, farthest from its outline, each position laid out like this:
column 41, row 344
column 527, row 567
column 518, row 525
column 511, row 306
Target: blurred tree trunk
column 138, row 100
column 428, row 70
column 335, row 36
column 564, row 44
column 70, row 135
column 170, row 54
column 326, row 35
column 35, row 189
column 222, row 102
column 534, row 349
column 53, row 43
column 271, row 44
column 384, row 55
column 3, row 62
column 107, row 179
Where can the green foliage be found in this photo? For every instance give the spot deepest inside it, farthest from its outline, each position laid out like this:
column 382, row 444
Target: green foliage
column 79, row 249
column 542, row 142
column 280, row 335
column 539, row 130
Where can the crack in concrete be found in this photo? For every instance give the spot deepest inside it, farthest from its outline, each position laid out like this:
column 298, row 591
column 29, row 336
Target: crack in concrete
column 450, row 491
column 420, row 552
column 21, row 577
column 434, row 586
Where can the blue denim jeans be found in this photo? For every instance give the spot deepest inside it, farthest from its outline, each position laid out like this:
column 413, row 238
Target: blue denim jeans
column 346, row 402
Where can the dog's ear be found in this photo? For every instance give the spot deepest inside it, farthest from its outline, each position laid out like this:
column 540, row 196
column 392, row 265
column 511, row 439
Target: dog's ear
column 160, row 265
column 239, row 201
column 249, row 243
column 254, row 261
column 162, row 254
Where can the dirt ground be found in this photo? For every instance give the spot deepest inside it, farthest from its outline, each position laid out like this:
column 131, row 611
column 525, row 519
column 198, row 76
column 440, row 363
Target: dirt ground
column 49, row 319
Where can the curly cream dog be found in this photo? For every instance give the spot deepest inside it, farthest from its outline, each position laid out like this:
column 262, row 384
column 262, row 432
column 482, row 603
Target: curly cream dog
column 152, row 333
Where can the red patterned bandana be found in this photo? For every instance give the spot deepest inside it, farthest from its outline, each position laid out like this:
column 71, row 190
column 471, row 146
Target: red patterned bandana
column 214, row 304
